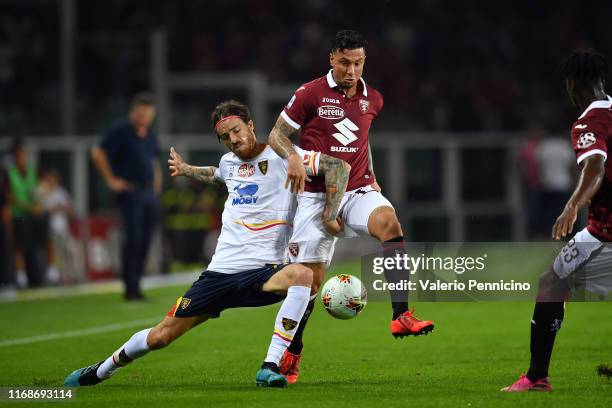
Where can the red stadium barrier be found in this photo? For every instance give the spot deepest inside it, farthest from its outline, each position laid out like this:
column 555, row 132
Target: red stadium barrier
column 99, row 235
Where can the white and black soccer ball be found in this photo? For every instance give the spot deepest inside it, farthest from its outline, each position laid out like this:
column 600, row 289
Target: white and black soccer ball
column 344, row 296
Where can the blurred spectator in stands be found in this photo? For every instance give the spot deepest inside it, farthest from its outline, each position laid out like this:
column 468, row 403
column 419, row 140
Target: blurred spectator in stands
column 7, row 275
column 191, row 218
column 556, row 163
column 28, row 220
column 63, row 255
column 128, row 159
column 530, row 181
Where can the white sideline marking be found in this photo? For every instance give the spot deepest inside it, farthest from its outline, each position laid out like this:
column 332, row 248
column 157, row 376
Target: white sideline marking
column 78, row 333
column 97, row 288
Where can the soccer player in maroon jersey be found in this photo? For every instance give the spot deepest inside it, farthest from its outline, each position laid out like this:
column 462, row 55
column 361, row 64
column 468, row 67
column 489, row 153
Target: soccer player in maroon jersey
column 587, row 259
column 333, row 115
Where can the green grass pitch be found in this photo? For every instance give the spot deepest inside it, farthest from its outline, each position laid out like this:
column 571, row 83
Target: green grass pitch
column 475, row 349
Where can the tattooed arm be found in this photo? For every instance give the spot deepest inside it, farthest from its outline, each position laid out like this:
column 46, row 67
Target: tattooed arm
column 280, row 143
column 336, row 173
column 178, row 167
column 370, row 161
column 375, row 185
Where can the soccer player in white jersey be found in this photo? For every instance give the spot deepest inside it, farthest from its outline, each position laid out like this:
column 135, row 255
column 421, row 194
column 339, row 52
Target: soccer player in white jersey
column 586, row 261
column 246, row 269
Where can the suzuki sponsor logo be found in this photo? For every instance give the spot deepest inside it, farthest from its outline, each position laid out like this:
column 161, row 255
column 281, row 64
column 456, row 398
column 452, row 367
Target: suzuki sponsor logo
column 246, row 194
column 346, row 128
column 344, row 149
column 330, row 112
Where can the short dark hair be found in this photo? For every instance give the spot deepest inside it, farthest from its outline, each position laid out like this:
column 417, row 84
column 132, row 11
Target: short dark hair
column 230, row 108
column 142, row 98
column 587, row 67
column 348, row 40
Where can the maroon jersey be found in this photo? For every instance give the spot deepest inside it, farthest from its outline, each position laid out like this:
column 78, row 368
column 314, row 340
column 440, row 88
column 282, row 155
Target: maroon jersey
column 592, row 134
column 335, row 125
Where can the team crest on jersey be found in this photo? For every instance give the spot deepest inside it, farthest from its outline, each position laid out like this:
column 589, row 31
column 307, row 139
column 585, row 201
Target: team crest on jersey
column 364, row 105
column 263, row 166
column 294, row 248
column 289, row 324
column 586, row 140
column 185, row 302
column 246, row 170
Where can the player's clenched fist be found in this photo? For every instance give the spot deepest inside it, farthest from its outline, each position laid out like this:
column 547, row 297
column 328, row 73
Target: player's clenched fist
column 176, row 163
column 296, row 174
column 333, row 227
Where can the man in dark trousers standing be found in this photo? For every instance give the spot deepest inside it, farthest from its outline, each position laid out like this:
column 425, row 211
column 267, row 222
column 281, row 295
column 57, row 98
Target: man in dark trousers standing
column 127, row 158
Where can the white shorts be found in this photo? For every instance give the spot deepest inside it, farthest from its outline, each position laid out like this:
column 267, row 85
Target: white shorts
column 586, row 261
column 310, row 242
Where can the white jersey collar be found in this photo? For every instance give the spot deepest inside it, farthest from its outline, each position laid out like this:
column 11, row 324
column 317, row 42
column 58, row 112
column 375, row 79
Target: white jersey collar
column 332, row 83
column 596, row 105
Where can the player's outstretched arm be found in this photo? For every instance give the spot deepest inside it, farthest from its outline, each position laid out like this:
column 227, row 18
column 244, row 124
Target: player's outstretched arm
column 590, row 180
column 336, row 173
column 178, row 167
column 281, row 144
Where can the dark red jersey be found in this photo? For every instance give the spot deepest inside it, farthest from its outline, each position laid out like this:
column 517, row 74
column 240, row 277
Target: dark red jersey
column 335, row 125
column 592, row 134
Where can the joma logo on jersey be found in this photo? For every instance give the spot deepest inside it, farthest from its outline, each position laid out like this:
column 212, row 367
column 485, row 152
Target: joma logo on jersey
column 329, row 100
column 246, row 193
column 330, row 112
column 346, row 128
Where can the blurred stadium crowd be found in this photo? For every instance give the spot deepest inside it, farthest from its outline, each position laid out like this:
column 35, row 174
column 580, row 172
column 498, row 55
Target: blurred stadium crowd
column 36, row 245
column 43, row 242
column 441, row 65
column 450, row 66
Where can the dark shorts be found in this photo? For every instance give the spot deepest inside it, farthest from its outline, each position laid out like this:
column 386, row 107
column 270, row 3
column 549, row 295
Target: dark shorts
column 214, row 292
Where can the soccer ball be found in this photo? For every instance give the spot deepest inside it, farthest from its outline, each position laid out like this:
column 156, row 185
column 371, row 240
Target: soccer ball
column 344, row 296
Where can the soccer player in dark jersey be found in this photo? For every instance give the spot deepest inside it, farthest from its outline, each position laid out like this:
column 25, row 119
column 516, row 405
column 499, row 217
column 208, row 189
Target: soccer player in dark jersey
column 587, row 258
column 333, row 115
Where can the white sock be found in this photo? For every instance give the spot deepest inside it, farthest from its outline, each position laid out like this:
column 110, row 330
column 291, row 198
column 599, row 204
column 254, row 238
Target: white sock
column 135, row 347
column 287, row 322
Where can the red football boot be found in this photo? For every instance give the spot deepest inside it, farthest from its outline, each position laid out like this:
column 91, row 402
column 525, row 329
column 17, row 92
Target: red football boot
column 524, row 384
column 290, row 366
column 408, row 325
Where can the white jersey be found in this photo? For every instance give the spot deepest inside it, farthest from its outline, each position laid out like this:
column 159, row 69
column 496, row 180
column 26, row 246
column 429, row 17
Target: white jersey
column 258, row 214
